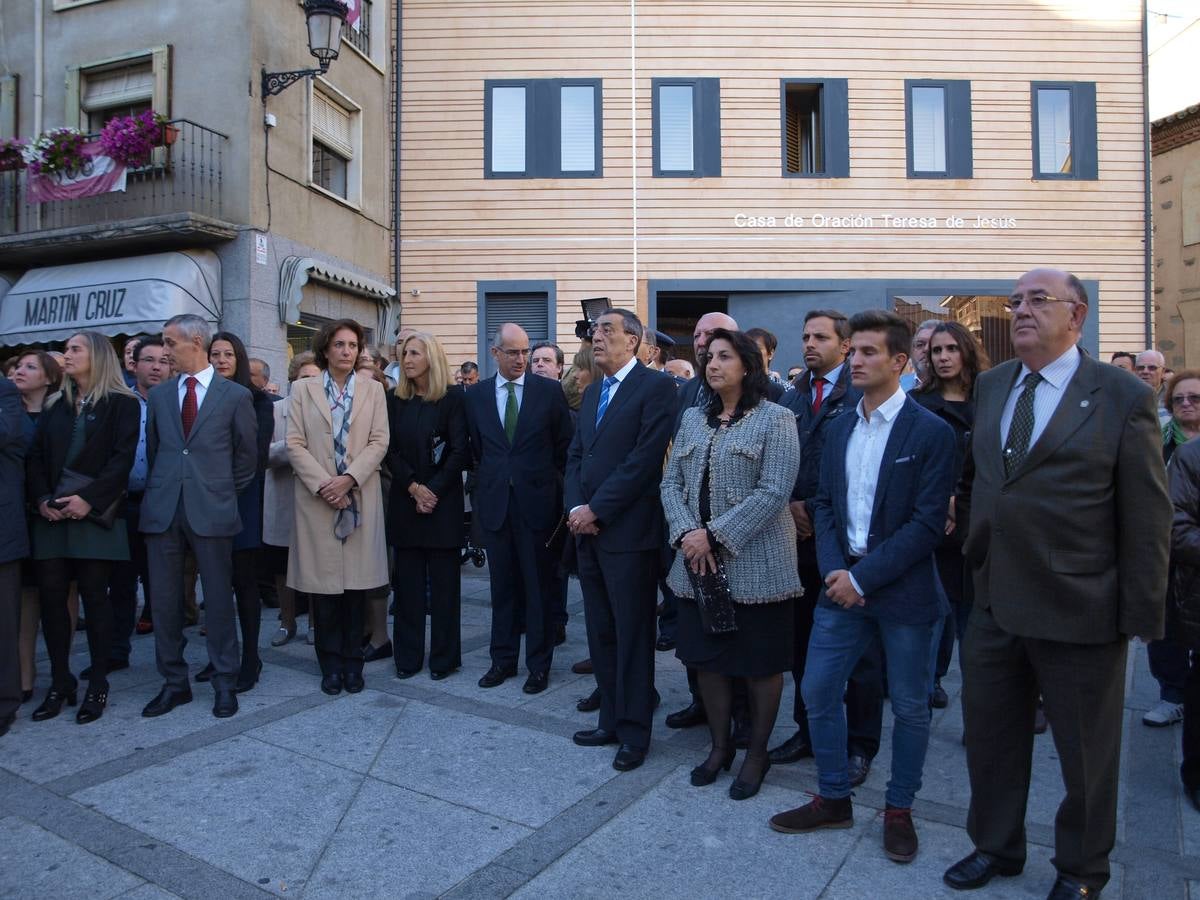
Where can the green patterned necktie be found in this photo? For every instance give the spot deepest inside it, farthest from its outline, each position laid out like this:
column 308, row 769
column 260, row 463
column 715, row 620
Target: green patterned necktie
column 510, row 412
column 1020, row 430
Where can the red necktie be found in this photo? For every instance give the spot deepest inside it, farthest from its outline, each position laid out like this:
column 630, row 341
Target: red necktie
column 190, row 407
column 816, row 405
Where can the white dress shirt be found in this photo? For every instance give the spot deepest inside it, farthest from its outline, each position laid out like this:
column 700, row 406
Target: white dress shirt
column 204, row 378
column 621, row 374
column 864, row 457
column 502, row 393
column 1057, row 375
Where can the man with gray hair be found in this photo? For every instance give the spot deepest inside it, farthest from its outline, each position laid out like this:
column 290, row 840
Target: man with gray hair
column 260, row 373
column 201, row 444
column 1151, row 367
column 920, row 355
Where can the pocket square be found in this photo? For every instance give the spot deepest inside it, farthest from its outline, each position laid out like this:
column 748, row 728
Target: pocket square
column 904, row 459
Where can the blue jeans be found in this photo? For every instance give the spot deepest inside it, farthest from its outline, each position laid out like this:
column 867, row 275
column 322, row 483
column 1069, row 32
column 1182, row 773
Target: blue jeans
column 839, row 637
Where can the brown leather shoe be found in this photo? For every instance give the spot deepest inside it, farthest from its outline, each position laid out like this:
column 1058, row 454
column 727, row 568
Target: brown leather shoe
column 899, row 835
column 820, row 813
column 583, row 667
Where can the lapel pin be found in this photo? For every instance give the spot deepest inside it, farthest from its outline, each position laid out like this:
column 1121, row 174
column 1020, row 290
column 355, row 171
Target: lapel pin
column 1083, row 404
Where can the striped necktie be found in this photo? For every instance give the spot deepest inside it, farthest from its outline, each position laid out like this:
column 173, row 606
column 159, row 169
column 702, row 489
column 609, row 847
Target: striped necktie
column 604, row 393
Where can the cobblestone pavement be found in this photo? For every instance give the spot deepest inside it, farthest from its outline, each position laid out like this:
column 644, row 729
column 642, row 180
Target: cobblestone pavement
column 441, row 789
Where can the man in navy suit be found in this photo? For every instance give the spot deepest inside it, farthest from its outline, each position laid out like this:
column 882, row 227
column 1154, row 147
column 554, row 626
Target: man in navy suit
column 887, row 473
column 520, row 427
column 614, row 467
column 14, row 546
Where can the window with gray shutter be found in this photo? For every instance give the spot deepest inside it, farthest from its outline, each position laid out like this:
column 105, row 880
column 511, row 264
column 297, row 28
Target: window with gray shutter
column 937, row 128
column 529, row 304
column 686, row 134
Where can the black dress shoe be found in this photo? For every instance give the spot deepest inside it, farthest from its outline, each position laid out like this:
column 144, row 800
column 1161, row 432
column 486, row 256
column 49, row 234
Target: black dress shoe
column 792, row 750
column 496, row 676
column 406, row 673
column 536, row 682
column 353, row 682
column 664, row 644
column 560, row 635
column 53, row 704
column 332, row 684
column 166, row 701
column 114, row 665
column 590, row 703
column 594, row 737
column 205, row 674
column 371, row 653
column 628, row 758
column 441, row 674
column 939, row 700
column 977, row 870
column 225, row 704
column 1067, row 888
column 744, row 790
column 688, row 717
column 92, row 707
column 858, row 768
column 247, row 682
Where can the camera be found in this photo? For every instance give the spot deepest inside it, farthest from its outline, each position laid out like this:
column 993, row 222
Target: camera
column 593, row 309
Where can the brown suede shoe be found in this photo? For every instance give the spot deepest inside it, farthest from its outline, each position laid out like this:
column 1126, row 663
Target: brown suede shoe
column 899, row 835
column 820, row 813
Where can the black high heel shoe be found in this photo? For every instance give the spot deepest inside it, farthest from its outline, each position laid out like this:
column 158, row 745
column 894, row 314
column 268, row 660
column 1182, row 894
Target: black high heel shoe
column 92, row 707
column 744, row 790
column 53, row 704
column 703, row 776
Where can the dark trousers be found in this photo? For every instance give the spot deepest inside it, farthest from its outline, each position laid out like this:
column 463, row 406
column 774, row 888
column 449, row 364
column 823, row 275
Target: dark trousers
column 521, row 572
column 338, row 622
column 864, row 690
column 214, row 561
column 439, row 568
column 123, row 582
column 1169, row 666
column 1190, row 770
column 951, row 572
column 10, row 630
column 54, row 583
column 249, row 607
column 1083, row 690
column 619, row 591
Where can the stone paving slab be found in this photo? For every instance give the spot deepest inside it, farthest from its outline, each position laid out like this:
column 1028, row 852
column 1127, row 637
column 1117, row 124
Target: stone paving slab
column 36, row 862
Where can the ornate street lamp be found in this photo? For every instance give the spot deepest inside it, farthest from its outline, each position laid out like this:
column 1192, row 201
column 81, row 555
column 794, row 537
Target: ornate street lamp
column 325, row 21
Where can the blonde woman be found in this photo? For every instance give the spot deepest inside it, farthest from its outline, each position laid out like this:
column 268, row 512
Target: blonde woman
column 337, row 439
column 428, row 453
column 87, row 440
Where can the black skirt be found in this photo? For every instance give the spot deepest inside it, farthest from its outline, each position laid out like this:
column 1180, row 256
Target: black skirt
column 761, row 646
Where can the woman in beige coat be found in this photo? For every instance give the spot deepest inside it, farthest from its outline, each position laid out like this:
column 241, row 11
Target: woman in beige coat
column 337, row 438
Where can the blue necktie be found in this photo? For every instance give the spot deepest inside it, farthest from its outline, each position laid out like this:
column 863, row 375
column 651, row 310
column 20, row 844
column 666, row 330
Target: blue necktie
column 603, row 405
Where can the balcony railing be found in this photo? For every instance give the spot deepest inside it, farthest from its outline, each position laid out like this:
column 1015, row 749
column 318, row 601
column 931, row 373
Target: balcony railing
column 183, row 177
column 360, row 37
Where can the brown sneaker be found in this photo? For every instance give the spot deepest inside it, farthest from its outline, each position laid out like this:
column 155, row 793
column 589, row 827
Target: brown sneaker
column 899, row 835
column 820, row 813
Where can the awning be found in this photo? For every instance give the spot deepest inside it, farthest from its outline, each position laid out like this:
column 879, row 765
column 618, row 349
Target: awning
column 131, row 295
column 297, row 271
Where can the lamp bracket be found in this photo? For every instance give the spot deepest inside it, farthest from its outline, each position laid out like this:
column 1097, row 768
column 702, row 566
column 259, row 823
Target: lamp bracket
column 276, row 82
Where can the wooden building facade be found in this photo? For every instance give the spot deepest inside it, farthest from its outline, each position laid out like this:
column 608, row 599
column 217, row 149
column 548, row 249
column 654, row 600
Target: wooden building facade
column 766, row 158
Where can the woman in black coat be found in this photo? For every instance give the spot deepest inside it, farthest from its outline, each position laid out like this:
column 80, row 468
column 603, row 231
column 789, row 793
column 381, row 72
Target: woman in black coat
column 426, row 457
column 1183, row 606
column 955, row 361
column 87, row 439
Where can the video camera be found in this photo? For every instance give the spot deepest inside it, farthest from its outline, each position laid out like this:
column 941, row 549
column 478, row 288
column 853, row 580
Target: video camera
column 593, row 309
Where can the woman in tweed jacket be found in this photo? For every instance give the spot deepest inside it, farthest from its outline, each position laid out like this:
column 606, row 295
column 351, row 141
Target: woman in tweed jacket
column 725, row 494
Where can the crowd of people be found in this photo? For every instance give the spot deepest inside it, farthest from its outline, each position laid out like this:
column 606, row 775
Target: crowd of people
column 893, row 497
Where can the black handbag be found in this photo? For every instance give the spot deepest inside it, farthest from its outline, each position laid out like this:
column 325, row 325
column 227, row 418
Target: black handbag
column 72, row 482
column 714, row 599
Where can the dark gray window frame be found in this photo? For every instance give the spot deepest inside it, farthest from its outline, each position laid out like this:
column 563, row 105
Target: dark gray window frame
column 835, row 127
column 959, row 142
column 706, row 126
column 484, row 288
column 543, row 114
column 1084, row 133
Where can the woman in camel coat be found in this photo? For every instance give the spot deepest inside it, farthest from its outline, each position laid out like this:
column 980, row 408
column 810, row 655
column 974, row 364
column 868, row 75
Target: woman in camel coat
column 338, row 549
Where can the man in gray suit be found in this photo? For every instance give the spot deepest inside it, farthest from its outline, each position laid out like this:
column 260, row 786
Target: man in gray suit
column 201, row 445
column 1067, row 538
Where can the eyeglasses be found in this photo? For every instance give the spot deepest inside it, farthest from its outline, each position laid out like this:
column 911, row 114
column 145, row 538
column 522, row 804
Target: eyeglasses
column 1147, row 368
column 514, row 354
column 1037, row 301
column 1189, row 399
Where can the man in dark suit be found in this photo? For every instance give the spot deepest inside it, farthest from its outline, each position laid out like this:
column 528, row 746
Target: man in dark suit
column 201, row 442
column 14, row 546
column 1067, row 542
column 614, row 467
column 887, row 473
column 520, row 427
column 818, row 398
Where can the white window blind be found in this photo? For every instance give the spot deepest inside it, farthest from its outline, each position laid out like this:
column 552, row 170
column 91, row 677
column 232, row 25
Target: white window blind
column 929, row 129
column 1054, row 131
column 676, row 129
column 332, row 125
column 118, row 87
column 578, row 128
column 508, row 129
